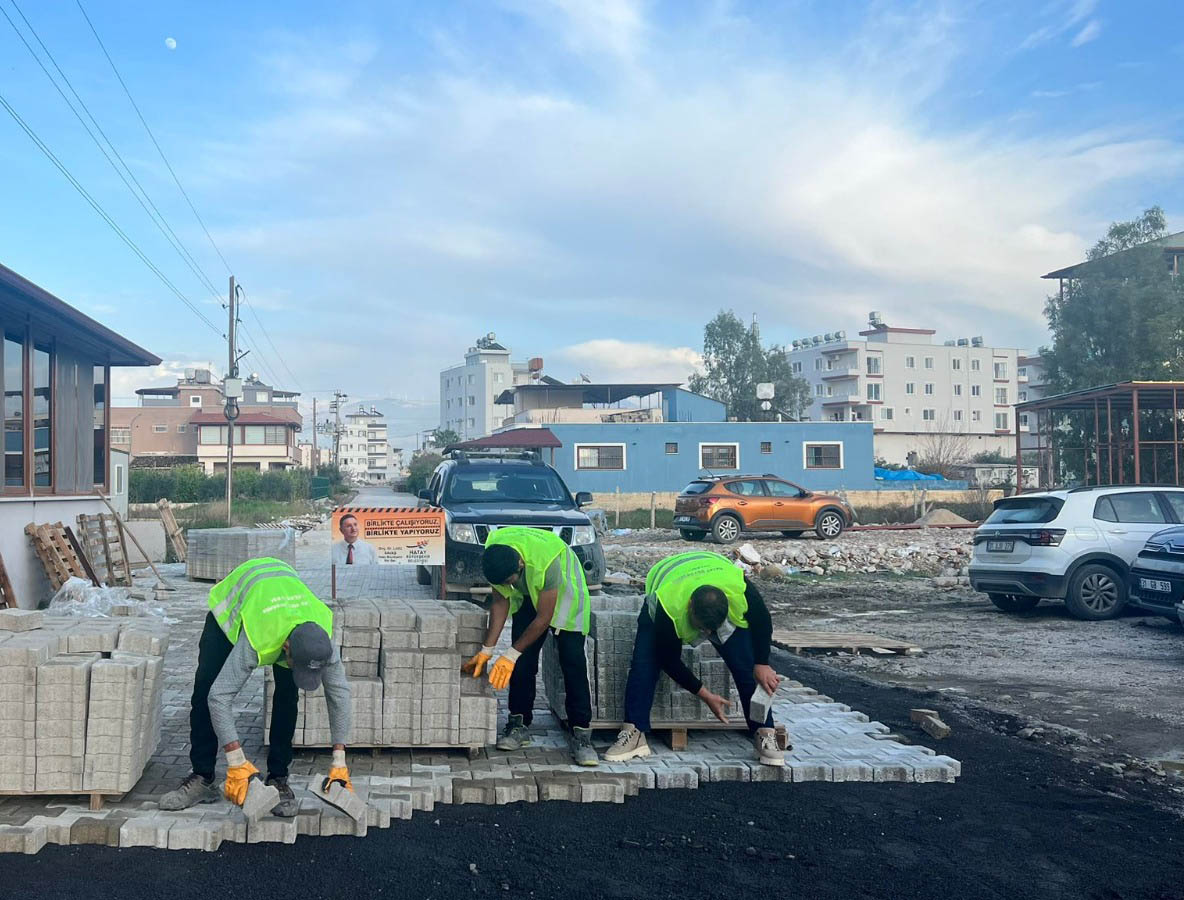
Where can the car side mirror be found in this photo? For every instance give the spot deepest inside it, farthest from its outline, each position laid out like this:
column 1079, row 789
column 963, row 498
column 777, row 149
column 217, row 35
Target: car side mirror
column 583, row 498
column 803, row 494
column 425, row 495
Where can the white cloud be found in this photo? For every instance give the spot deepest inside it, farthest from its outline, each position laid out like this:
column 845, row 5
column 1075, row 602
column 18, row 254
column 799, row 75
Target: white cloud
column 613, row 26
column 1065, row 15
column 1092, row 29
column 614, row 360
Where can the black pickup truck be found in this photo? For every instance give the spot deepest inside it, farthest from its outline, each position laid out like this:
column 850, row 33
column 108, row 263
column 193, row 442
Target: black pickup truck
column 481, row 492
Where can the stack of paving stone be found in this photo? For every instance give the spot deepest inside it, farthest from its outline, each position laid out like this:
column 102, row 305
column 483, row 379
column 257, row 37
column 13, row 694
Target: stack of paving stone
column 403, row 661
column 609, row 651
column 80, row 701
column 216, row 552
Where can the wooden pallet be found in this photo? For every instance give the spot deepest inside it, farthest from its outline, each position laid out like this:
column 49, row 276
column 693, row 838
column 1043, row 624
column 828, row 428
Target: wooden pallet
column 175, row 535
column 853, row 641
column 675, row 734
column 473, row 750
column 96, row 798
column 7, row 595
column 57, row 554
column 102, row 538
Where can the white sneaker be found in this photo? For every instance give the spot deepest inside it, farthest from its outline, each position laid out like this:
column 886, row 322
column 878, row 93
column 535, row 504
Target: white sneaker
column 767, row 749
column 630, row 744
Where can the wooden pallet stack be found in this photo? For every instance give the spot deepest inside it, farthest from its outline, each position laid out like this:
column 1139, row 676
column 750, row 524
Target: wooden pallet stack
column 60, row 555
column 102, row 540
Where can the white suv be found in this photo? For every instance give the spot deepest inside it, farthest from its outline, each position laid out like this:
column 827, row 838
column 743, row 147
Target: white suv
column 1075, row 544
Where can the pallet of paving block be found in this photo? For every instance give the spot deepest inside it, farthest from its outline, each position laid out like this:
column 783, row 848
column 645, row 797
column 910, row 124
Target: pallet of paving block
column 675, row 733
column 853, row 641
column 96, row 798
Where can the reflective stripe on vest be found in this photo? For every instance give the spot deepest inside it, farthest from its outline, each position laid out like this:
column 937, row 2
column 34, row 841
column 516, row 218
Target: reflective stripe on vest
column 266, row 599
column 538, row 549
column 673, row 580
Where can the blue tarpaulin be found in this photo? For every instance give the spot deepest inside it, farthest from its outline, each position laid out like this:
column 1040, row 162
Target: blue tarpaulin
column 904, row 475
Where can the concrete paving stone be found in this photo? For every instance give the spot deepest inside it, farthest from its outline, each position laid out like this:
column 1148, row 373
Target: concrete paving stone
column 308, row 818
column 200, row 834
column 601, row 790
column 809, row 771
column 273, row 830
column 931, row 772
column 260, row 798
column 22, row 838
column 953, row 764
column 851, row 771
column 94, row 830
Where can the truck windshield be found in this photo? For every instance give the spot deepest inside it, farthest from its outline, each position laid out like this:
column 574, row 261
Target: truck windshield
column 535, row 484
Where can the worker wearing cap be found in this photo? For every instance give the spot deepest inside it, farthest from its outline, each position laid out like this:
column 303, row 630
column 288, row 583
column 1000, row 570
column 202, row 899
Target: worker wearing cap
column 261, row 614
column 539, row 581
column 689, row 598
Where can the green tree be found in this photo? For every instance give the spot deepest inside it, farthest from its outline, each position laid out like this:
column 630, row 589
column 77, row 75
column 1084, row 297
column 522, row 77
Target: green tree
column 734, row 363
column 420, row 471
column 1122, row 319
column 442, row 437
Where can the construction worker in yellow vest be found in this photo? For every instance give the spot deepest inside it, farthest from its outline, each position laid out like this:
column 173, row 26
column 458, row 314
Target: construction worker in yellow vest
column 539, row 582
column 261, row 614
column 689, row 598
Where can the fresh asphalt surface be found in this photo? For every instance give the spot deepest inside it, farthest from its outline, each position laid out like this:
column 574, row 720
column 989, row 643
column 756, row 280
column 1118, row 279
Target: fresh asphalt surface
column 1022, row 821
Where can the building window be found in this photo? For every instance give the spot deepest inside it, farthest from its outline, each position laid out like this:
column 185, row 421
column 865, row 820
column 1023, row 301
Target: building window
column 910, row 362
column 830, row 391
column 910, row 387
column 671, row 448
column 873, row 392
column 42, row 417
column 261, row 397
column 976, row 390
column 1000, row 370
column 119, row 479
column 195, row 399
column 908, row 410
column 498, row 377
column 819, row 390
column 719, row 456
column 823, row 456
column 472, row 400
column 1001, row 396
column 929, row 389
column 957, row 415
column 472, row 423
column 121, row 435
column 181, row 428
column 818, row 365
column 211, row 434
column 886, row 413
column 472, row 379
column 160, row 428
column 957, row 390
column 873, row 365
column 1023, row 420
column 797, row 368
column 14, row 411
column 975, row 365
column 1023, row 396
column 766, row 447
column 929, row 415
column 928, row 362
column 100, row 422
column 1021, row 372
column 976, row 415
column 956, row 364
column 600, row 456
column 1001, row 421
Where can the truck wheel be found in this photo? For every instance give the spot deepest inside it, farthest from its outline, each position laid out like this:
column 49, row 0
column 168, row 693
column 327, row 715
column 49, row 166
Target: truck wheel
column 726, row 529
column 1095, row 592
column 1014, row 603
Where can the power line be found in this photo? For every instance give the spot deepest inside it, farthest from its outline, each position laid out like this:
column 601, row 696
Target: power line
column 97, row 207
column 266, row 335
column 158, row 219
column 152, row 136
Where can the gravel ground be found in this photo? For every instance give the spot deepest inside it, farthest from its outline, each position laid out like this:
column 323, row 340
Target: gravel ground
column 1111, row 690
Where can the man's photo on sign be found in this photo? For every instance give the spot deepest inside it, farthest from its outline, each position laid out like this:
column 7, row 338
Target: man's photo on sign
column 351, row 550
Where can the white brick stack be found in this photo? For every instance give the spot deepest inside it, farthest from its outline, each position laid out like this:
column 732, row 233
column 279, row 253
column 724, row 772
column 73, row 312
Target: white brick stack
column 214, row 553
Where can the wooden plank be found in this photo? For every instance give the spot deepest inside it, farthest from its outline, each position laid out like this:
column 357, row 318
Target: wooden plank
column 172, row 530
column 854, row 641
column 97, row 540
column 87, row 567
column 117, row 526
column 7, row 595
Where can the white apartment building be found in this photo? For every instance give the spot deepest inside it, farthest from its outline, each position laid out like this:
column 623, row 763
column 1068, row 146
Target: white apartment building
column 911, row 389
column 1033, row 385
column 468, row 391
column 366, row 455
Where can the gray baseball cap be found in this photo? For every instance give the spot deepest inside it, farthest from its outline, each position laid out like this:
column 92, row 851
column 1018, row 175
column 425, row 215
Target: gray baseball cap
column 311, row 651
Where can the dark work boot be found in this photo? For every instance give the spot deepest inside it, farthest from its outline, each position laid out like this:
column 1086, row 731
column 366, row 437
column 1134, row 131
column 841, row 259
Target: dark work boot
column 515, row 735
column 288, row 805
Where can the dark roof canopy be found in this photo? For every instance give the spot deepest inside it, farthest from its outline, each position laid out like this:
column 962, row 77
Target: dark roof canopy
column 58, row 317
column 1152, row 395
column 514, row 439
column 587, row 393
column 162, row 391
column 1168, row 243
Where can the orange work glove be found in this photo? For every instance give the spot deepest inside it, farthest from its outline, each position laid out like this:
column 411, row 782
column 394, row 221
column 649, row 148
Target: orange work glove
column 476, row 665
column 338, row 772
column 499, row 675
column 239, row 772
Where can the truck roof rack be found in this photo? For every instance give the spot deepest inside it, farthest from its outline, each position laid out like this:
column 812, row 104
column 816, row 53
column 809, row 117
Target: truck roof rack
column 465, row 456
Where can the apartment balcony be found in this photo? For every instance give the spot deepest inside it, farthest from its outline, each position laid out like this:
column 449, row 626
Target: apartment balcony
column 850, row 399
column 837, row 374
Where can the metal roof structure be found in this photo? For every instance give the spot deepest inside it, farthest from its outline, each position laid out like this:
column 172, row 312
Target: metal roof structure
column 587, row 393
column 514, row 439
column 1171, row 244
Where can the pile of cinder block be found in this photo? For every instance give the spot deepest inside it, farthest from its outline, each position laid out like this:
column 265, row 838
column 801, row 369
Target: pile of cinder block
column 80, row 701
column 403, row 659
column 609, row 651
column 216, row 552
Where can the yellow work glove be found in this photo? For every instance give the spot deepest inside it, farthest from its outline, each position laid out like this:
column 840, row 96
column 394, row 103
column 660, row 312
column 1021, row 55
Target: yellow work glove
column 338, row 772
column 499, row 675
column 238, row 776
column 476, row 665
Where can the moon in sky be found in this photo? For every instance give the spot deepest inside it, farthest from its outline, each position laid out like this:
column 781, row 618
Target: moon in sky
column 170, row 43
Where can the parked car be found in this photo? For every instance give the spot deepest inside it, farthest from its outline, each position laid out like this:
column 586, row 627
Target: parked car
column 724, row 506
column 1156, row 581
column 1075, row 545
column 481, row 492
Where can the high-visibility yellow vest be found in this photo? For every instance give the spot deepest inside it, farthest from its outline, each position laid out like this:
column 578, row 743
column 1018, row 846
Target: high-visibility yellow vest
column 538, row 549
column 672, row 581
column 266, row 598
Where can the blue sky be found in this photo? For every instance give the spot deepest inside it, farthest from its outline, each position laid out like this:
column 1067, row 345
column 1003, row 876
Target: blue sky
column 590, row 180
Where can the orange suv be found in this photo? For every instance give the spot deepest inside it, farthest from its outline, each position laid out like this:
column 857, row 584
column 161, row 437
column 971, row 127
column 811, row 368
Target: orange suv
column 727, row 505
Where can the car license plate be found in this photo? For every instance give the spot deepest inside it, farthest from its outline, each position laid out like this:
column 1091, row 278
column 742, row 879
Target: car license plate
column 1153, row 584
column 683, row 519
column 1000, row 546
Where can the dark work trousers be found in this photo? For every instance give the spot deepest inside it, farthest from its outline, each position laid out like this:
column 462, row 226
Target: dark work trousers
column 572, row 661
column 644, row 670
column 212, row 650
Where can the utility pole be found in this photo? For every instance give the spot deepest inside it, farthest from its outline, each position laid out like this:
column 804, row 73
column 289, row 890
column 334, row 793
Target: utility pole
column 315, row 449
column 232, row 391
column 335, row 404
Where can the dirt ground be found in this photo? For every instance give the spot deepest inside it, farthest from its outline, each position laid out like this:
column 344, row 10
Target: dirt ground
column 1109, row 691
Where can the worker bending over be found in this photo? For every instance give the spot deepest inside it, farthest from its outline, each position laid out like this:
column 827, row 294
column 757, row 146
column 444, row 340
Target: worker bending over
column 689, row 598
column 261, row 614
column 539, row 581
